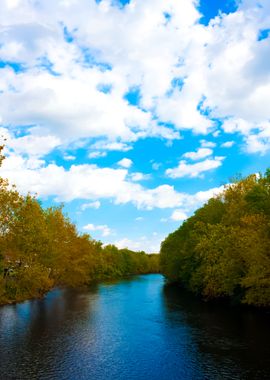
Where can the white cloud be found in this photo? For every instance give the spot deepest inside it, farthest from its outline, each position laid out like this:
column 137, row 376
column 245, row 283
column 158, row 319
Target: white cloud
column 256, row 136
column 187, row 74
column 92, row 183
column 97, row 154
column 71, row 92
column 34, row 145
column 125, row 163
column 207, row 144
column 114, row 146
column 194, row 170
column 179, row 215
column 260, row 142
column 199, row 154
column 69, row 157
column 103, row 229
column 216, row 133
column 12, row 3
column 136, row 177
column 31, row 144
column 49, row 101
column 150, row 245
column 227, row 144
column 94, row 205
column 233, row 125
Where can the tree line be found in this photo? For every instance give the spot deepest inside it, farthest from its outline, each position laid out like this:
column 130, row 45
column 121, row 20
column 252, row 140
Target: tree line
column 41, row 248
column 223, row 250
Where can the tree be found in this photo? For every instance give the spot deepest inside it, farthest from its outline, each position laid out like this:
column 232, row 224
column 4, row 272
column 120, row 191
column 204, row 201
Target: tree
column 223, row 249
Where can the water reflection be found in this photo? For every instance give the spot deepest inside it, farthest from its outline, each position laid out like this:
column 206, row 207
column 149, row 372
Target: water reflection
column 37, row 335
column 233, row 343
column 136, row 328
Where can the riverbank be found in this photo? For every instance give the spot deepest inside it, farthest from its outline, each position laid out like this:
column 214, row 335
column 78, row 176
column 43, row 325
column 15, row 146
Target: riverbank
column 225, row 301
column 41, row 248
column 223, row 249
column 82, row 286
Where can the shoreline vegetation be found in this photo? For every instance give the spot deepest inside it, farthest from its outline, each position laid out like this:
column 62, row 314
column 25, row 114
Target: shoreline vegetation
column 222, row 252
column 41, row 249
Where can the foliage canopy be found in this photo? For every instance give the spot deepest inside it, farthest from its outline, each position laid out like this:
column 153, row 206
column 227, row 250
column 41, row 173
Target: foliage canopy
column 41, row 248
column 223, row 250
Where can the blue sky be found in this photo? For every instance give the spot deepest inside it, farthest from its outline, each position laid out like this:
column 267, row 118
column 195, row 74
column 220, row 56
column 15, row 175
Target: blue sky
column 133, row 113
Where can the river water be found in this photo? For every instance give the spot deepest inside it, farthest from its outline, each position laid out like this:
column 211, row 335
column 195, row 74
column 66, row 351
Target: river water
column 136, row 328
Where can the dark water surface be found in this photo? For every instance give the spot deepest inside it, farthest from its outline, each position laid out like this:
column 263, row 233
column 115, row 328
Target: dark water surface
column 132, row 329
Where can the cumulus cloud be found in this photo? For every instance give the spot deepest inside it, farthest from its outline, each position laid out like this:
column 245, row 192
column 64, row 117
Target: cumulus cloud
column 97, row 154
column 227, row 144
column 178, row 215
column 207, row 144
column 63, row 85
column 63, row 74
column 92, row 183
column 30, row 144
column 94, row 205
column 69, row 157
column 259, row 142
column 149, row 245
column 125, row 163
column 256, row 136
column 103, row 229
column 185, row 169
column 136, row 177
column 199, row 154
column 111, row 146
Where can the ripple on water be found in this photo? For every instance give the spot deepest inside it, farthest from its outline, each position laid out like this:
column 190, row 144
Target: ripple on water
column 136, row 328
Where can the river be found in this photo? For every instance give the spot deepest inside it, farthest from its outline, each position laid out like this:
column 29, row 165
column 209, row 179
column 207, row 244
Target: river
column 136, row 328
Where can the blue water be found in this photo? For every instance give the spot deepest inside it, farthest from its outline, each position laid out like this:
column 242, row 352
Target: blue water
column 136, row 328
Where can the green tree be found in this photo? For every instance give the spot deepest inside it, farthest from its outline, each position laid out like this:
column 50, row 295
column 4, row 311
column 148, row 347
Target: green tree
column 223, row 249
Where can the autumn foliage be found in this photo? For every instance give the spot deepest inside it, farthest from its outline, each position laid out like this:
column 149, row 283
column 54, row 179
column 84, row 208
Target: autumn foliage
column 41, row 248
column 224, row 249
